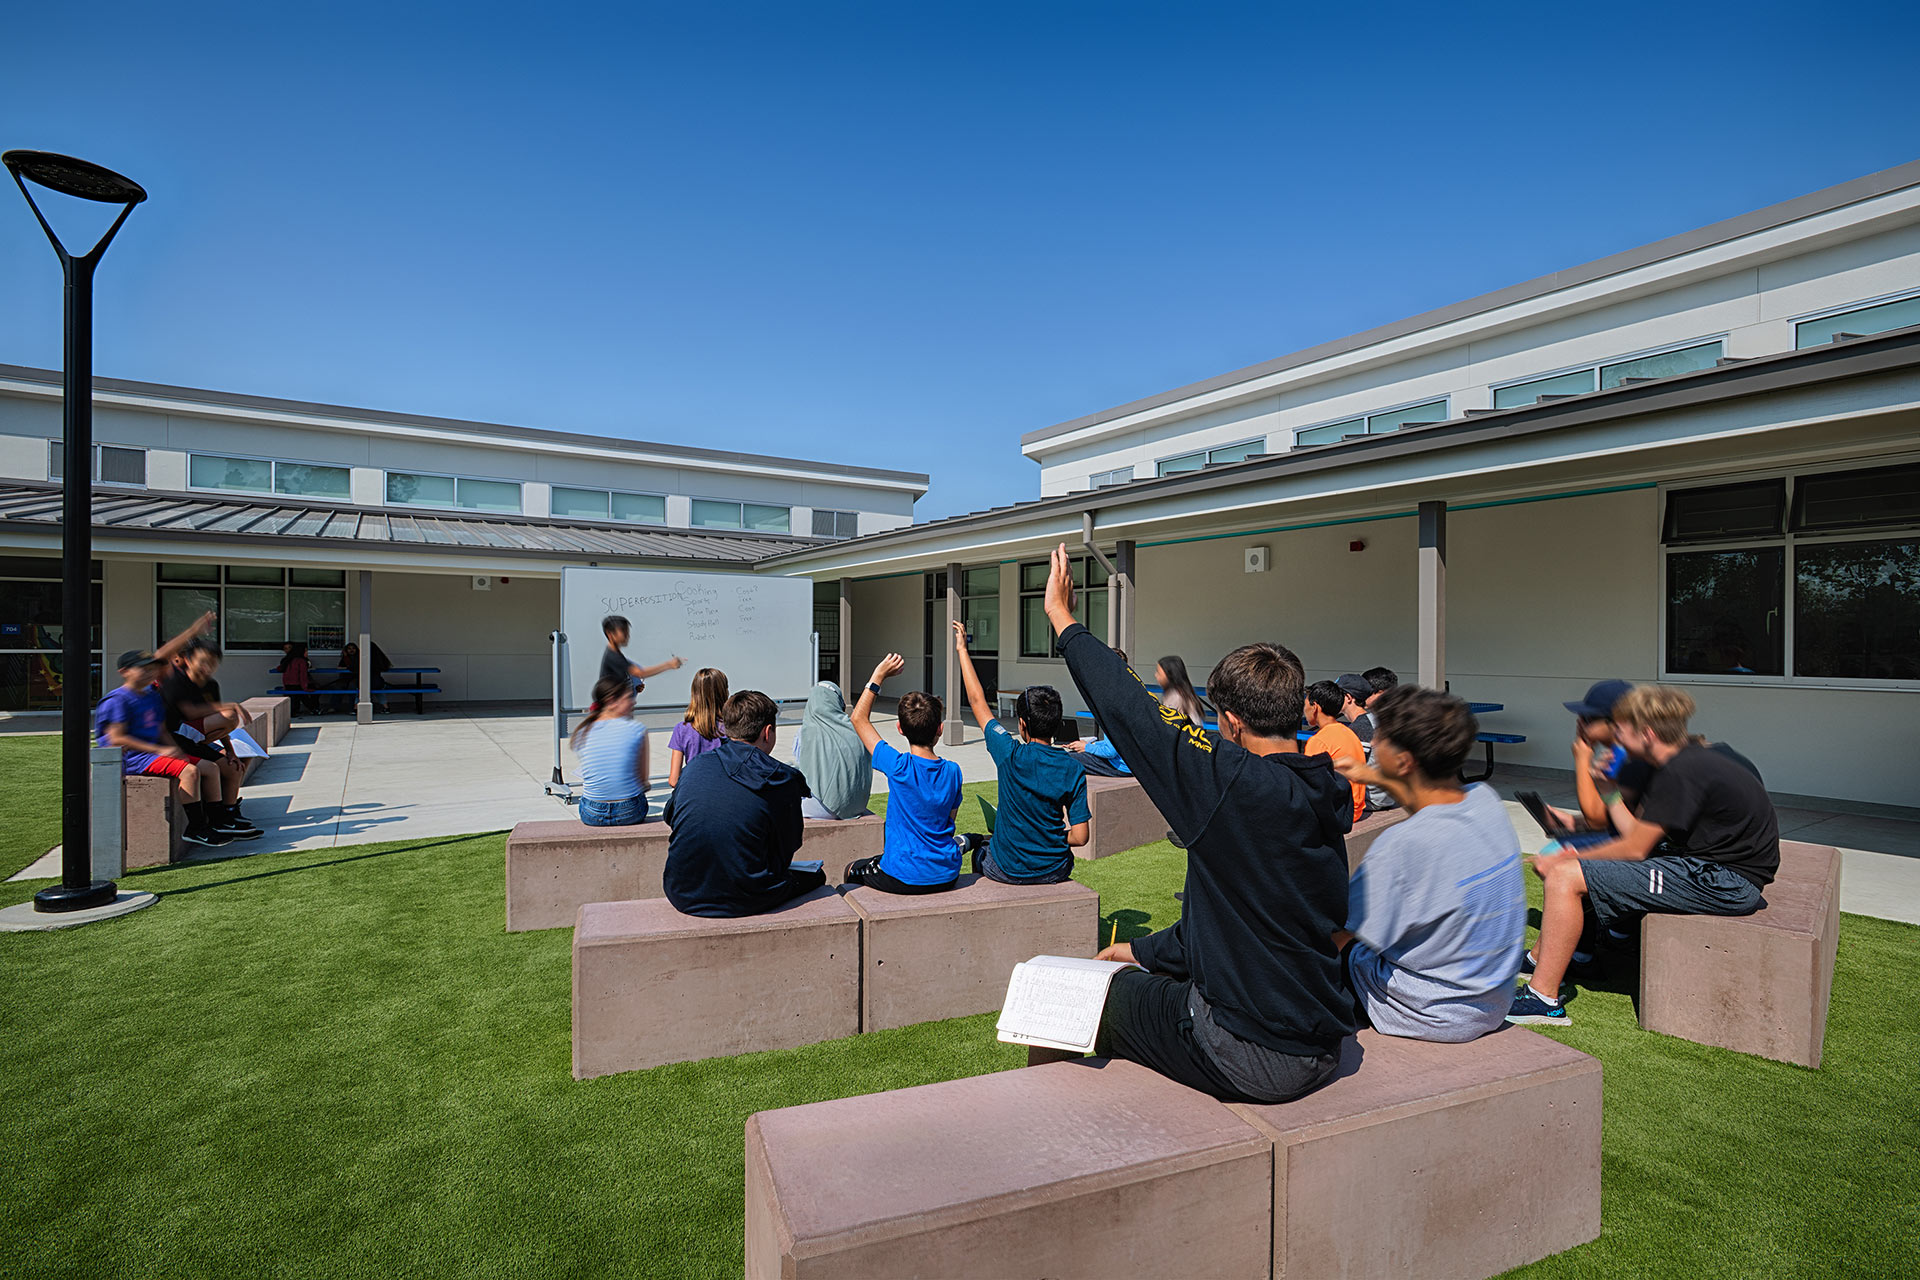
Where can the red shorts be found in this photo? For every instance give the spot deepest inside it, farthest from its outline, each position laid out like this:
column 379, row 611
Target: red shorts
column 166, row 766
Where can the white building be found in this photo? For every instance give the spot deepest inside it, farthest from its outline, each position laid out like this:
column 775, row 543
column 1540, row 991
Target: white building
column 288, row 518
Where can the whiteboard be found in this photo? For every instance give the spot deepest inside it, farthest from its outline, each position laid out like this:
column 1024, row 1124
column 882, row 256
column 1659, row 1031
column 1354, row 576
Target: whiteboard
column 759, row 630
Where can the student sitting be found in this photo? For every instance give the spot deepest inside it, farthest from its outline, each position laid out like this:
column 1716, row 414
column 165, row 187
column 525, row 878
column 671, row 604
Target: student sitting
column 1603, row 773
column 295, row 672
column 1242, row 997
column 699, row 729
column 1381, row 679
column 1361, row 695
column 133, row 718
column 1043, row 793
column 1332, row 738
column 191, row 700
column 612, row 749
column 920, row 854
column 1176, row 688
column 1098, row 758
column 736, row 821
column 614, row 663
column 838, row 766
column 1721, row 846
column 1437, row 910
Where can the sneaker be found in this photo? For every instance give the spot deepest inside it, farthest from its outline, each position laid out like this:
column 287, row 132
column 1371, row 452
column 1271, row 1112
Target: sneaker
column 1580, row 967
column 237, row 828
column 1529, row 1008
column 211, row 837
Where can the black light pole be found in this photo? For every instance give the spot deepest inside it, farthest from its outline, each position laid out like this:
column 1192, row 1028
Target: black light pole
column 77, row 889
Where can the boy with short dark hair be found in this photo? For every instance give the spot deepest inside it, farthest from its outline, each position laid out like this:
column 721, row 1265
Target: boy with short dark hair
column 185, row 690
column 920, row 854
column 614, row 663
column 1705, row 842
column 735, row 821
column 1331, row 737
column 133, row 718
column 1043, row 813
column 1381, row 679
column 1437, row 910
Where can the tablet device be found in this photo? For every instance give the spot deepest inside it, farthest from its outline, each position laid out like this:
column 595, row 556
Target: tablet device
column 1531, row 802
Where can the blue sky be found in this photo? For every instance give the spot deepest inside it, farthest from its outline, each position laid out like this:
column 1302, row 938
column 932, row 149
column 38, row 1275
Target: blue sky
column 894, row 235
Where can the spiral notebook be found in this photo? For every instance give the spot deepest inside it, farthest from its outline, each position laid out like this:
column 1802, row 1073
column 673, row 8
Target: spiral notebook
column 1056, row 1001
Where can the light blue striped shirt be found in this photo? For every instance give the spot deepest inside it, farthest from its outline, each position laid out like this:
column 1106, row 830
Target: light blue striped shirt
column 610, row 760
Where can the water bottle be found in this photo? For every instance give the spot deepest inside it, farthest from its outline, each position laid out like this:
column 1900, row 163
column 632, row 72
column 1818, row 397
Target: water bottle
column 1607, row 760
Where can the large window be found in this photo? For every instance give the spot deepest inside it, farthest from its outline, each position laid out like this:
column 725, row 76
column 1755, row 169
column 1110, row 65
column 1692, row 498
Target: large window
column 1090, row 603
column 1813, row 577
column 418, row 489
column 1860, row 321
column 1599, row 377
column 112, row 463
column 1374, row 424
column 260, row 606
column 1105, row 479
column 32, row 671
column 1206, row 457
column 609, row 504
column 754, row 516
column 267, row 475
column 980, row 611
column 835, row 524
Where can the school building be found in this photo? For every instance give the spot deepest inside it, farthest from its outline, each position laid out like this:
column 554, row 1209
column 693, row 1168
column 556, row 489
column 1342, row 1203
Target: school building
column 443, row 539
column 1697, row 462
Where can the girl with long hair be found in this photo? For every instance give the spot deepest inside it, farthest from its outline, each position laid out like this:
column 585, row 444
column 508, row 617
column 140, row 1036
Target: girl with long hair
column 612, row 749
column 699, row 730
column 1176, row 688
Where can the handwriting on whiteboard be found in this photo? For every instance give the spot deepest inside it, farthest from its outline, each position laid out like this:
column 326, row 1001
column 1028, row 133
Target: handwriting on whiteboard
column 707, row 612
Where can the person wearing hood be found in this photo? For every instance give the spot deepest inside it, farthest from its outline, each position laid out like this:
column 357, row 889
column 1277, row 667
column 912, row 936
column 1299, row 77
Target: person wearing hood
column 837, row 765
column 1243, row 997
column 735, row 821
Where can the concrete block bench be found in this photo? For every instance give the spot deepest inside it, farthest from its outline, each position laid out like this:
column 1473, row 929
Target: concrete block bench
column 1366, row 831
column 946, row 955
column 1122, row 818
column 1757, row 984
column 153, row 824
column 1077, row 1169
column 555, row 868
column 272, row 718
column 652, row 986
column 1441, row 1161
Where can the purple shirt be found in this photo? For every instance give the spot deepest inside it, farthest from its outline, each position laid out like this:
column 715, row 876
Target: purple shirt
column 687, row 741
column 144, row 712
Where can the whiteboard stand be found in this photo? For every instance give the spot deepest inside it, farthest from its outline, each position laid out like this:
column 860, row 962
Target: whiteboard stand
column 559, row 786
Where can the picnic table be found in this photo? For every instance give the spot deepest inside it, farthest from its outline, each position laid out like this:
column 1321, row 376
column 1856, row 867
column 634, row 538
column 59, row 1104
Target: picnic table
column 419, row 689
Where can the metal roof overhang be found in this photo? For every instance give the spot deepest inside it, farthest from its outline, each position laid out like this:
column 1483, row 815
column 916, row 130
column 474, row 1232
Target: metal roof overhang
column 1852, row 399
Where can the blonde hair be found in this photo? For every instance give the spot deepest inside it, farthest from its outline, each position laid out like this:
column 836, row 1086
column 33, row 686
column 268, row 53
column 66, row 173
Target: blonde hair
column 709, row 695
column 1659, row 709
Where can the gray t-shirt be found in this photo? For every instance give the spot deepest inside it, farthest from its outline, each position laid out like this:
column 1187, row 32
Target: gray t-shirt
column 1439, row 912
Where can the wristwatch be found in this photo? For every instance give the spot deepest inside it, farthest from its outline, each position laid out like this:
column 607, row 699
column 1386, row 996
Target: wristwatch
column 872, row 687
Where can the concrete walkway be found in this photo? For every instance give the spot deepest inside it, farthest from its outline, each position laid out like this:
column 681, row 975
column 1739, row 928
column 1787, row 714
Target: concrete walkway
column 459, row 771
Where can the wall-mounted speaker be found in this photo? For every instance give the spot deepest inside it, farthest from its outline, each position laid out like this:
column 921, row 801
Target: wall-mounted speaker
column 1257, row 559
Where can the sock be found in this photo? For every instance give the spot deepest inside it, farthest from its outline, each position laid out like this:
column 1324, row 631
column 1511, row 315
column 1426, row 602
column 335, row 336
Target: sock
column 1544, row 999
column 196, row 816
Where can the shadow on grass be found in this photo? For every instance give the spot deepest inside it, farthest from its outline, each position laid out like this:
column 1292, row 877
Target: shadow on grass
column 1125, row 926
column 305, row 866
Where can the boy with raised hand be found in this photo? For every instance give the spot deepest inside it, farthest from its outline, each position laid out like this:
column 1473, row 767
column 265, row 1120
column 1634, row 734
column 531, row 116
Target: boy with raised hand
column 1043, row 813
column 1704, row 842
column 921, row 854
column 189, row 692
column 1242, row 997
column 1437, row 910
column 1331, row 736
column 614, row 663
column 133, row 718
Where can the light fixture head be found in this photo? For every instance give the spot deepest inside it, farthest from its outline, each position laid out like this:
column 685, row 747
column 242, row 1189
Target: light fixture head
column 74, row 177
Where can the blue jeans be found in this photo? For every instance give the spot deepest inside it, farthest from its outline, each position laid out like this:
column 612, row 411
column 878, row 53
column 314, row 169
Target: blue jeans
column 614, row 813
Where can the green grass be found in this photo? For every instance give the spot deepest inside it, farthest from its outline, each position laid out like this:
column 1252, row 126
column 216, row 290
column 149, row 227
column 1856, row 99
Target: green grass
column 336, row 1063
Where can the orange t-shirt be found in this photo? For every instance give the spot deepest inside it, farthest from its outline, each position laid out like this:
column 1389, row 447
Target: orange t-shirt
column 1342, row 743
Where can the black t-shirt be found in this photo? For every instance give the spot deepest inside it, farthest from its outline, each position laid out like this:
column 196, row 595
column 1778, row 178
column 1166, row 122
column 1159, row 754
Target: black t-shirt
column 614, row 665
column 1362, row 726
column 178, row 690
column 1711, row 804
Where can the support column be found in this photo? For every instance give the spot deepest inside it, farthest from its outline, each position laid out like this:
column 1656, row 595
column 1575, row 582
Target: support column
column 1121, row 603
column 956, row 696
column 363, row 710
column 846, row 641
column 1433, row 595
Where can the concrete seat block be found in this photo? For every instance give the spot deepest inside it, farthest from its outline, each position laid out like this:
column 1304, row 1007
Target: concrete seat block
column 272, row 718
column 1076, row 1169
column 651, row 985
column 555, row 868
column 152, row 828
column 1122, row 818
column 945, row 955
column 1441, row 1161
column 1757, row 984
column 1366, row 831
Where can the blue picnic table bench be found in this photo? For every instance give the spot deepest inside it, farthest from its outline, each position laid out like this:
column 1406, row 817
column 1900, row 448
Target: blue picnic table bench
column 418, row 690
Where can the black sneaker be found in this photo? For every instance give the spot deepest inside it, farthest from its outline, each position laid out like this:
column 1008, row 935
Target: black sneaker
column 211, row 837
column 237, row 827
column 1530, row 1010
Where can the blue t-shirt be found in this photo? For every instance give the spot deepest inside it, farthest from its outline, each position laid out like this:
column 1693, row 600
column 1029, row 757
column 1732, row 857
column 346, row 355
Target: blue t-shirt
column 143, row 711
column 1036, row 784
column 610, row 760
column 921, row 797
column 1104, row 750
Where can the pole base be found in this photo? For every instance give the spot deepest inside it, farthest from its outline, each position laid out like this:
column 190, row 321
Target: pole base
column 61, row 897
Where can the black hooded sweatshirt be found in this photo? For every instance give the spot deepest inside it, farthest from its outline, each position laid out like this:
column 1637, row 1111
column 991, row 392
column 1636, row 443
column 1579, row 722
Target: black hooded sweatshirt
column 736, row 824
column 1266, row 862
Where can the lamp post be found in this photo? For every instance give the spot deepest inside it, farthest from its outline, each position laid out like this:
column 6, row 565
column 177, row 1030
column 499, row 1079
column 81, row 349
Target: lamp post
column 77, row 890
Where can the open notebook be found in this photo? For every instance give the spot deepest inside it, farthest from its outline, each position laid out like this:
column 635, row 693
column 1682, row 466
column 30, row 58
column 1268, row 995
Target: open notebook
column 1055, row 1002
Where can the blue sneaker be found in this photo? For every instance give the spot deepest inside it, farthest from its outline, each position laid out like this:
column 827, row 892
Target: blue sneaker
column 1529, row 1008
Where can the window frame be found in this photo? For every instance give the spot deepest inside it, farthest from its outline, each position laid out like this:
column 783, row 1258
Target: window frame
column 386, row 473
column 610, row 518
column 1366, row 421
column 57, row 455
column 1828, row 313
column 1595, row 366
column 1789, row 541
column 273, row 475
column 743, row 504
column 219, row 590
column 1205, row 454
column 813, row 517
column 1105, row 479
column 1022, row 593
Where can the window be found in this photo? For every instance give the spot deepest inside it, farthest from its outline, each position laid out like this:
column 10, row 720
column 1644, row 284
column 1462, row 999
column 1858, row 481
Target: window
column 980, row 611
column 752, row 516
column 1804, row 590
column 604, row 504
column 1576, row 383
column 263, row 475
column 31, row 664
column 414, row 489
column 1375, row 423
column 1119, row 475
column 835, row 524
column 1205, row 457
column 112, row 463
column 1090, row 603
column 260, row 606
column 1861, row 320
column 1599, row 377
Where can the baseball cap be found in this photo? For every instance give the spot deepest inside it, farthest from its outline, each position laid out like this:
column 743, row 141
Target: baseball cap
column 1598, row 704
column 138, row 658
column 1355, row 687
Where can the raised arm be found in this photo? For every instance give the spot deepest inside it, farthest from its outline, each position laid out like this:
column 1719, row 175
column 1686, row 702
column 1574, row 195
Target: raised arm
column 176, row 646
column 970, row 680
column 862, row 714
column 647, row 673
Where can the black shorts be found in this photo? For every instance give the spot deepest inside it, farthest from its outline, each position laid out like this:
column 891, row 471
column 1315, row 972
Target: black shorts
column 200, row 750
column 1620, row 890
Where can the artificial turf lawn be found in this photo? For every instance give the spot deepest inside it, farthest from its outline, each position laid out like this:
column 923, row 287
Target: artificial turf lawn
column 337, row 1063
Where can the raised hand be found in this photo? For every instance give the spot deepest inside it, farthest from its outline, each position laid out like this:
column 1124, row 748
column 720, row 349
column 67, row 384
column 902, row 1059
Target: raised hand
column 891, row 665
column 959, row 637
